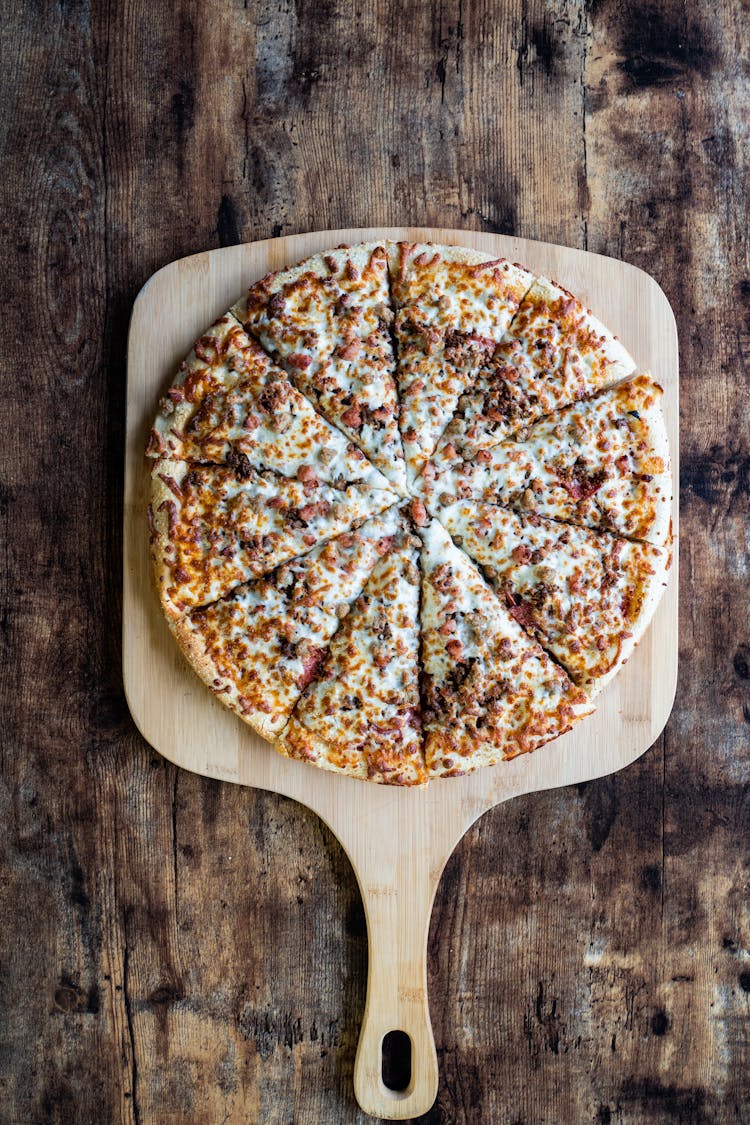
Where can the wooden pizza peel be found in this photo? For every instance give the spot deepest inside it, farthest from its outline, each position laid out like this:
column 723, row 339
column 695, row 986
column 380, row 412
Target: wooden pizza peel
column 398, row 840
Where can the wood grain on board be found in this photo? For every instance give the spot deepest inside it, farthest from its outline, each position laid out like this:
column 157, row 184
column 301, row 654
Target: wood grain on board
column 177, row 949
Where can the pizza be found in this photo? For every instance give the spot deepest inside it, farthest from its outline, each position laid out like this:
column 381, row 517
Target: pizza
column 584, row 596
column 602, row 463
column 361, row 715
column 327, row 322
column 452, row 308
column 490, row 691
column 410, row 510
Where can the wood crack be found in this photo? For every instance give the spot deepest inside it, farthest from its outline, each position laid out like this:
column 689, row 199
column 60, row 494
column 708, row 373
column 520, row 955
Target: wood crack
column 584, row 194
column 129, row 1018
column 174, row 836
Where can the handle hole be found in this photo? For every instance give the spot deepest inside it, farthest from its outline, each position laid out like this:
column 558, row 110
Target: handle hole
column 396, row 1064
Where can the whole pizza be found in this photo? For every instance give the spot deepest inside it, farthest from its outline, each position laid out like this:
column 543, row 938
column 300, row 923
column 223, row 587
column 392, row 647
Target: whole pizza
column 410, row 509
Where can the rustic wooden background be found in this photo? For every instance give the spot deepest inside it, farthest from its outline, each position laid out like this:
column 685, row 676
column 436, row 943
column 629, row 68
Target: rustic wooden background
column 177, row 950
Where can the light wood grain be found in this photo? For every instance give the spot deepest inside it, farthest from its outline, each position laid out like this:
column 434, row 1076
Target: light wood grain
column 397, row 840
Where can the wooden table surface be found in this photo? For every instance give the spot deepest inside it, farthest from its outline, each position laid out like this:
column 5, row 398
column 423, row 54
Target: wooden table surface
column 177, row 950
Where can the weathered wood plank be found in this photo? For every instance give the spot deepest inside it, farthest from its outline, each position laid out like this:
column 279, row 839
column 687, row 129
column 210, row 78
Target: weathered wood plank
column 174, row 950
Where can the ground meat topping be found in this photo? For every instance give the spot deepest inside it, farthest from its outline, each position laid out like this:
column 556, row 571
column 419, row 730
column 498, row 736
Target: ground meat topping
column 350, row 350
column 240, row 465
column 306, row 475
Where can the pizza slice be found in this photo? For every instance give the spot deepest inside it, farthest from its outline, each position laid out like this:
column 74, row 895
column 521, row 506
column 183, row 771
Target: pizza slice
column 555, row 352
column 586, row 596
column 258, row 648
column 218, row 360
column 452, row 308
column 231, row 403
column 602, row 463
column 489, row 692
column 214, row 527
column 361, row 717
column 327, row 322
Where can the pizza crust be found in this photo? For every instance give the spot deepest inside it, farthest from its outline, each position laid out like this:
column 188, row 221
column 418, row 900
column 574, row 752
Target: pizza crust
column 359, row 256
column 611, row 349
column 302, row 744
column 461, row 255
column 162, row 499
column 194, row 651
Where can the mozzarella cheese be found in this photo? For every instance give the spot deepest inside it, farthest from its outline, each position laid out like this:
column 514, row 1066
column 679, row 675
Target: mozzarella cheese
column 232, row 402
column 586, row 596
column 490, row 691
column 554, row 353
column 260, row 646
column 453, row 306
column 327, row 322
column 602, row 463
column 213, row 529
column 361, row 717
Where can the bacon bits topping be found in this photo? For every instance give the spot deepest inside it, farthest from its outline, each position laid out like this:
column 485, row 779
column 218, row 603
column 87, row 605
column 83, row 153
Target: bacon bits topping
column 581, row 486
column 521, row 554
column 312, row 661
column 171, row 484
column 352, row 417
column 523, row 613
column 419, row 513
column 306, row 475
column 205, row 349
column 299, row 360
column 383, row 546
column 170, row 508
column 350, row 350
column 155, row 445
column 308, row 512
column 381, row 413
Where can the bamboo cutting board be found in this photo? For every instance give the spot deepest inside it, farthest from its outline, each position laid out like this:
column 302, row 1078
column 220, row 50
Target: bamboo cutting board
column 398, row 840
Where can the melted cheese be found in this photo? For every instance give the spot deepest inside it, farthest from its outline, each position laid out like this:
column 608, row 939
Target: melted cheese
column 603, row 463
column 452, row 308
column 214, row 530
column 490, row 692
column 261, row 645
column 231, row 399
column 555, row 352
column 586, row 596
column 362, row 716
column 326, row 321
